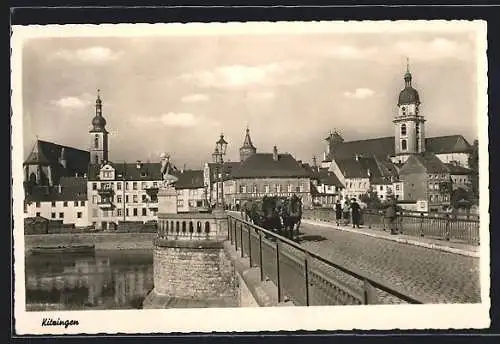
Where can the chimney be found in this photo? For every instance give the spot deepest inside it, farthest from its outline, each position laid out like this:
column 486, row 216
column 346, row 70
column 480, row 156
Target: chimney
column 139, row 164
column 368, row 172
column 275, row 153
column 62, row 158
column 59, row 188
column 357, row 157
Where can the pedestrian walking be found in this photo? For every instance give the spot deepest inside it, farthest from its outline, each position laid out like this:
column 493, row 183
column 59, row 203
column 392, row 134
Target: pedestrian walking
column 338, row 212
column 356, row 213
column 391, row 214
column 346, row 212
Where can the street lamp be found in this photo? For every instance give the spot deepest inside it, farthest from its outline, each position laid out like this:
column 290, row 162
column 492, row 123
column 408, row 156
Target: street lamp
column 218, row 157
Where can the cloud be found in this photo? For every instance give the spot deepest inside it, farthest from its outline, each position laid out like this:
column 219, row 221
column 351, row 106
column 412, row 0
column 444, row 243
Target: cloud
column 360, row 93
column 416, row 49
column 71, row 102
column 194, row 98
column 236, row 76
column 94, row 55
column 176, row 120
column 261, row 95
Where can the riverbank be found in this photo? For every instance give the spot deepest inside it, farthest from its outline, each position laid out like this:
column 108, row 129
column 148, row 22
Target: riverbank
column 102, row 241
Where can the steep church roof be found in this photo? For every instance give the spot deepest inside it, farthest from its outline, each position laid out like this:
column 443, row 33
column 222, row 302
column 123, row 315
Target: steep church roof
column 384, row 147
column 49, row 153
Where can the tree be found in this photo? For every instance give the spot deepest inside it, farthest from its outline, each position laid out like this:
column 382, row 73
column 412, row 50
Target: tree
column 461, row 198
column 371, row 199
column 473, row 161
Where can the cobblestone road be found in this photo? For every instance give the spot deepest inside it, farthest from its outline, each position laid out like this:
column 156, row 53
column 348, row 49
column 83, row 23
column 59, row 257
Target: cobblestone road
column 432, row 275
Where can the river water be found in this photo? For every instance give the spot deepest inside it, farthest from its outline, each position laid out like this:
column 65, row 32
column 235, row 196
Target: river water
column 107, row 279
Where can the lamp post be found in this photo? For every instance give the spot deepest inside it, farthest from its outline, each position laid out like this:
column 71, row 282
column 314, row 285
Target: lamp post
column 218, row 157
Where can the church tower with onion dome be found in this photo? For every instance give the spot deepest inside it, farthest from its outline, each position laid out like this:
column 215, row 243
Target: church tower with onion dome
column 98, row 135
column 408, row 122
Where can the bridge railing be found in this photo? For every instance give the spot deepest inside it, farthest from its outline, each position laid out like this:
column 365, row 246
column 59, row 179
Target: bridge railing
column 442, row 226
column 304, row 276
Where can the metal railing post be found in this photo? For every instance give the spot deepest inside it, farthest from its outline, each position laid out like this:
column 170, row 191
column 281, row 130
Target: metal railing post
column 241, row 242
column 306, row 276
column 249, row 245
column 369, row 296
column 447, row 228
column 280, row 297
column 235, row 237
column 421, row 224
column 260, row 258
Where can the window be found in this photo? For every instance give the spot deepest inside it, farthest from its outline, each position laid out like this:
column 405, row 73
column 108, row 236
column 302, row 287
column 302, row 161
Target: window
column 53, row 204
column 155, row 184
column 144, row 185
column 381, row 196
column 75, row 203
column 278, row 188
column 134, row 198
column 65, row 204
column 381, row 188
column 37, row 214
column 126, row 212
column 134, row 186
column 144, row 198
column 38, row 204
column 404, row 110
column 94, row 199
column 118, row 186
column 126, row 198
column 126, row 186
column 431, row 186
column 403, row 129
column 119, row 212
column 397, row 187
column 94, row 212
column 135, row 211
column 144, row 212
column 53, row 215
column 266, row 189
column 289, row 187
column 403, row 145
column 180, row 203
column 242, row 189
column 94, row 186
column 79, row 215
column 96, row 141
column 118, row 199
column 301, row 188
column 96, row 159
column 61, row 215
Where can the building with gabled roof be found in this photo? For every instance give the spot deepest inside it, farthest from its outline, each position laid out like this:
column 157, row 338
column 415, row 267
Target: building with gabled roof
column 191, row 191
column 67, row 202
column 257, row 175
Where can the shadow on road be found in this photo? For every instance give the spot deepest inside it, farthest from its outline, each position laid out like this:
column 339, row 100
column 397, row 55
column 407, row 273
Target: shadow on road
column 315, row 238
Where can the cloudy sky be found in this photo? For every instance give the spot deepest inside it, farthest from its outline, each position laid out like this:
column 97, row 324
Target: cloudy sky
column 177, row 93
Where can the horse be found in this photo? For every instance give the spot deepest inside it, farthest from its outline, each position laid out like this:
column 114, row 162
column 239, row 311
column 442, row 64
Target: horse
column 292, row 215
column 271, row 208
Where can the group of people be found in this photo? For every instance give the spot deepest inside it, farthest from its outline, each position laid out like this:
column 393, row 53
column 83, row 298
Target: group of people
column 346, row 211
column 352, row 210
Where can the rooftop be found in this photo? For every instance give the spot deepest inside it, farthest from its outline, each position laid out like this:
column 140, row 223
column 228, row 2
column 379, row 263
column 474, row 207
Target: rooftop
column 263, row 165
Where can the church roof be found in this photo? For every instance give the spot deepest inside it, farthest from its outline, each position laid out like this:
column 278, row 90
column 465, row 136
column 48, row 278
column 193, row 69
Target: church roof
column 408, row 95
column 384, row 147
column 228, row 168
column 262, row 165
column 72, row 189
column 49, row 153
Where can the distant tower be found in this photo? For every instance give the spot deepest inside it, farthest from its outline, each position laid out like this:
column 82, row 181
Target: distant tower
column 408, row 122
column 248, row 149
column 98, row 135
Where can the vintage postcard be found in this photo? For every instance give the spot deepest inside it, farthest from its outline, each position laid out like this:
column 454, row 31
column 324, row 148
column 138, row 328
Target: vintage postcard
column 215, row 177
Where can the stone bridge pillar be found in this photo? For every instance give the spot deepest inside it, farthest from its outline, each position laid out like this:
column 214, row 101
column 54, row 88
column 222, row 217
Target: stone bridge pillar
column 191, row 267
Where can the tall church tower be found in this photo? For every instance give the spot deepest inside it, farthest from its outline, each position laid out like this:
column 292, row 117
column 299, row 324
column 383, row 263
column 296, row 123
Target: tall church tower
column 248, row 149
column 98, row 135
column 409, row 131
